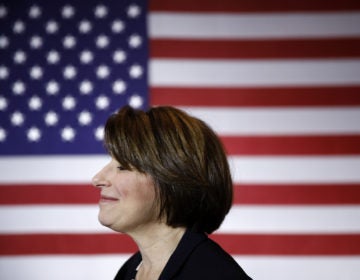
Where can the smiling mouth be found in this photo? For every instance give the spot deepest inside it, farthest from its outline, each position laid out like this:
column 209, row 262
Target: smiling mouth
column 107, row 199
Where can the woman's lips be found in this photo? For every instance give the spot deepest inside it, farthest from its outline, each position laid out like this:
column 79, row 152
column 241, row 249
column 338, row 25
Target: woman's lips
column 105, row 198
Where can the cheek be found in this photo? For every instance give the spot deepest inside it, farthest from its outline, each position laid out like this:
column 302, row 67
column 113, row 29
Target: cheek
column 147, row 190
column 122, row 190
column 136, row 189
column 143, row 196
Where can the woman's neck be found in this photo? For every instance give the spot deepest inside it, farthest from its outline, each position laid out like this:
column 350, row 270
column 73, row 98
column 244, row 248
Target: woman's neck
column 156, row 245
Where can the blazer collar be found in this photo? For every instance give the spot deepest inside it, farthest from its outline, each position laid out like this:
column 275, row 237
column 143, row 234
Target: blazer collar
column 187, row 244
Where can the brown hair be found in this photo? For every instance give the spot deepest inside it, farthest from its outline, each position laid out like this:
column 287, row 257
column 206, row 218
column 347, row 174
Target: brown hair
column 184, row 157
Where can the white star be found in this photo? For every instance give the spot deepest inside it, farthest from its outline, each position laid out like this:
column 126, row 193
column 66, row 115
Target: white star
column 51, row 118
column 85, row 26
column 3, row 11
column 4, row 42
column 69, row 103
column 85, row 118
column 36, row 42
column 53, row 57
column 3, row 103
column 34, row 11
column 119, row 56
column 85, row 87
column 3, row 134
column 135, row 41
column 19, row 57
column 35, row 103
column 133, row 11
column 86, row 56
column 102, row 102
column 69, row 42
column 4, row 72
column 52, row 27
column 136, row 101
column 17, row 118
column 68, row 11
column 102, row 41
column 18, row 27
column 101, row 11
column 34, row 134
column 99, row 133
column 117, row 26
column 52, row 87
column 69, row 72
column 136, row 71
column 36, row 72
column 68, row 133
column 18, row 88
column 119, row 86
column 102, row 72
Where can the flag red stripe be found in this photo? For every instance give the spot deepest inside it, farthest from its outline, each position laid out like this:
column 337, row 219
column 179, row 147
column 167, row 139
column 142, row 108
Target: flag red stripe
column 255, row 49
column 267, row 96
column 243, row 194
column 293, row 244
column 237, row 244
column 293, row 145
column 35, row 244
column 320, row 194
column 48, row 194
column 233, row 6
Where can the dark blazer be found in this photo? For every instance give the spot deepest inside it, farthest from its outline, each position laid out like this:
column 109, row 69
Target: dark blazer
column 196, row 257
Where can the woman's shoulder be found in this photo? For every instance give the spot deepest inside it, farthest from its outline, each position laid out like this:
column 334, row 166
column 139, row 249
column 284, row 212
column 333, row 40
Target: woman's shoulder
column 210, row 261
column 205, row 259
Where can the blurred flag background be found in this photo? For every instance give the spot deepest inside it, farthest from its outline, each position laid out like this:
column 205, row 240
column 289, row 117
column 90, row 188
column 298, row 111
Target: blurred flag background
column 278, row 80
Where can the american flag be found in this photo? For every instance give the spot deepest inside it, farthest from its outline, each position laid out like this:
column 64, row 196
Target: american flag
column 278, row 80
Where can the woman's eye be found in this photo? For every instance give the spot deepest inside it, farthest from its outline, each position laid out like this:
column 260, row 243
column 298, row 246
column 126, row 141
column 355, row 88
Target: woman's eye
column 121, row 168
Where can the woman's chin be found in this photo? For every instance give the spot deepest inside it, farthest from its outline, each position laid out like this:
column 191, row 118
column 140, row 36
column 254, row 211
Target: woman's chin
column 104, row 221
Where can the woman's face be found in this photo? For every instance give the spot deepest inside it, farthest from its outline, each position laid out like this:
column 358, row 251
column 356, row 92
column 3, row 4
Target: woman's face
column 127, row 202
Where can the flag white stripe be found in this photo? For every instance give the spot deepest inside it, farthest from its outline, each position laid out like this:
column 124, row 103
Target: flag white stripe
column 285, row 169
column 51, row 169
column 272, row 121
column 246, row 25
column 300, row 268
column 241, row 219
column 234, row 73
column 50, row 219
column 61, row 267
column 264, row 169
column 292, row 219
column 105, row 267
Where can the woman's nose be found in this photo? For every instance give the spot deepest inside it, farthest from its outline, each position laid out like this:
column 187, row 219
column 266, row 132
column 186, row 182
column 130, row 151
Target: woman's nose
column 99, row 180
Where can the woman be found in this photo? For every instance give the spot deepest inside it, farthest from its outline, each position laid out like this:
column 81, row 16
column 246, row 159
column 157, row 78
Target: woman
column 167, row 186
